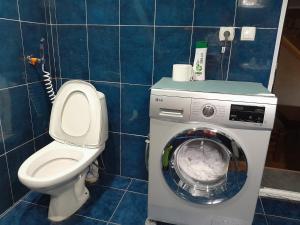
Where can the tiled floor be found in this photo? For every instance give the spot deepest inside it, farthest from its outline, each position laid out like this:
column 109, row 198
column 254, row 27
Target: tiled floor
column 119, row 200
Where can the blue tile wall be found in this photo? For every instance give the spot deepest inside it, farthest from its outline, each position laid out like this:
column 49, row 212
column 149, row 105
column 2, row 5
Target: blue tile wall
column 103, row 11
column 12, row 69
column 24, row 111
column 15, row 117
column 169, row 51
column 73, row 12
column 40, row 108
column 208, row 13
column 32, row 10
column 266, row 14
column 6, row 200
column 31, row 39
column 179, row 13
column 251, row 61
column 124, row 46
column 135, row 109
column 139, row 12
column 8, row 9
column 73, row 52
column 133, row 157
column 15, row 158
column 104, row 53
column 137, row 65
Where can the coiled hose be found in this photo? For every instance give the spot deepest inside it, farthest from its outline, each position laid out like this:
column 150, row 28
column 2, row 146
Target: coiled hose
column 48, row 84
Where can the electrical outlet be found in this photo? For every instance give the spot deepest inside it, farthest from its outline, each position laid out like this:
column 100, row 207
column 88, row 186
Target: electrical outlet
column 223, row 30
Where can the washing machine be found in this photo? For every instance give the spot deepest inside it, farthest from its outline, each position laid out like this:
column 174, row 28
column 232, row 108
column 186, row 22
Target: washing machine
column 208, row 145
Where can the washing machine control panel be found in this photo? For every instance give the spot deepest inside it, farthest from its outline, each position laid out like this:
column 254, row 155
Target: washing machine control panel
column 208, row 110
column 238, row 114
column 224, row 112
column 247, row 113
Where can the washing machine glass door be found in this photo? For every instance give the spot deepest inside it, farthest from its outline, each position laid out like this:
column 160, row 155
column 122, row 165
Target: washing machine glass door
column 204, row 166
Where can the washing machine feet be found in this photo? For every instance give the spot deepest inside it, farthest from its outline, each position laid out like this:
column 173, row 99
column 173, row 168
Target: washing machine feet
column 150, row 222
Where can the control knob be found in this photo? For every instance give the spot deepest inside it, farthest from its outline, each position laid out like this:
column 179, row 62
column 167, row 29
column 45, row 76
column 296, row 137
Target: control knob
column 208, row 110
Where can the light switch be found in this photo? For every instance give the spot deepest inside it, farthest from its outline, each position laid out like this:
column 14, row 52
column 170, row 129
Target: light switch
column 248, row 33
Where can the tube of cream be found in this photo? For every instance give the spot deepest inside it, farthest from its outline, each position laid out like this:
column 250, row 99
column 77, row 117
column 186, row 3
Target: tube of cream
column 199, row 61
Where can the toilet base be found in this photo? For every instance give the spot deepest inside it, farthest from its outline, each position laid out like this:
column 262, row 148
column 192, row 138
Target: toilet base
column 66, row 201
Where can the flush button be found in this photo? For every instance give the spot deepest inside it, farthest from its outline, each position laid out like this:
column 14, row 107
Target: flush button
column 208, row 110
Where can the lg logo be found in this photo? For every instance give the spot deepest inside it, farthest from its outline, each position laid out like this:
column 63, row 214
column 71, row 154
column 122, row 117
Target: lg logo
column 158, row 99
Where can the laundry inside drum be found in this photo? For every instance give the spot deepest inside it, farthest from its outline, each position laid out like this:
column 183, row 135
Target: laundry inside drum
column 202, row 161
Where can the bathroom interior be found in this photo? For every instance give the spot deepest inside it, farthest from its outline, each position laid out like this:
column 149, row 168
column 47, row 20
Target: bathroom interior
column 122, row 48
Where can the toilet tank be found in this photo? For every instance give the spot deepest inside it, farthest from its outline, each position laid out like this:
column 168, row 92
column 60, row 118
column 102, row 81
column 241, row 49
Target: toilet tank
column 104, row 119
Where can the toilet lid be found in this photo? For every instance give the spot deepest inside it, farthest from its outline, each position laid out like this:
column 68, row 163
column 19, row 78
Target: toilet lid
column 76, row 115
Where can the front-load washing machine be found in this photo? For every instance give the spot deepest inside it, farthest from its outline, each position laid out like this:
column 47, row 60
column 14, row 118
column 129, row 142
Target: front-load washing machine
column 208, row 144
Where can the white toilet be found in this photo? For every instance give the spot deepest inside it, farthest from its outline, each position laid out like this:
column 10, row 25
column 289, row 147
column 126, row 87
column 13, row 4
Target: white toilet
column 79, row 127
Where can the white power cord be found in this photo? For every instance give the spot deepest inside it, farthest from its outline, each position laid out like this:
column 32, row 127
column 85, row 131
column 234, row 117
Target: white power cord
column 223, row 50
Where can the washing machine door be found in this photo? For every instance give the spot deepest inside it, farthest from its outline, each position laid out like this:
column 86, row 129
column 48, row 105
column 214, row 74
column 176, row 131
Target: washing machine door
column 204, row 166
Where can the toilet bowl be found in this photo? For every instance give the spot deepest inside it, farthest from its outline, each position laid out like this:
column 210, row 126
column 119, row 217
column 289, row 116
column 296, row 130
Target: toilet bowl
column 78, row 125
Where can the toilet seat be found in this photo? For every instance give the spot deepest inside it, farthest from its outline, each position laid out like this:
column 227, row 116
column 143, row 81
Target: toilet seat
column 75, row 115
column 48, row 166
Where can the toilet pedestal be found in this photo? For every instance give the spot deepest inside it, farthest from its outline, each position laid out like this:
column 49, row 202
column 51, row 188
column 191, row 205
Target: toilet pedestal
column 69, row 199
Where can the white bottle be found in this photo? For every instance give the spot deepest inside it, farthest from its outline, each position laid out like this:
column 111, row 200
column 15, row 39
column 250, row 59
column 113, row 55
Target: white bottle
column 200, row 60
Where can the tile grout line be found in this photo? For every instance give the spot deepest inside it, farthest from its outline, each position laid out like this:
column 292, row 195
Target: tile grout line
column 281, row 217
column 125, row 177
column 87, row 40
column 263, row 209
column 129, row 134
column 20, row 85
column 91, row 218
column 22, row 21
column 10, row 208
column 57, row 44
column 52, row 42
column 26, row 142
column 26, row 75
column 52, row 73
column 154, row 42
column 192, row 32
column 7, row 167
column 48, row 46
column 231, row 44
column 119, row 189
column 160, row 26
column 125, row 191
column 120, row 94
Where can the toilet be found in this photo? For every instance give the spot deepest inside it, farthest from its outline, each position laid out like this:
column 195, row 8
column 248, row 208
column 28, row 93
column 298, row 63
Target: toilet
column 79, row 127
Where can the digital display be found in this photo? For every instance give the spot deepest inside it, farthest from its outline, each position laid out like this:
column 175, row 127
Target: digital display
column 246, row 113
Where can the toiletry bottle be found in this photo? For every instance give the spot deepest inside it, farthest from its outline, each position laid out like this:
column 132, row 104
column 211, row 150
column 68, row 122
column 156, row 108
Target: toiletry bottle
column 199, row 61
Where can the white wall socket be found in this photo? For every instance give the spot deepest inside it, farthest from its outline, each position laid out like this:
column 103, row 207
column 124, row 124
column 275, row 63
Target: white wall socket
column 223, row 29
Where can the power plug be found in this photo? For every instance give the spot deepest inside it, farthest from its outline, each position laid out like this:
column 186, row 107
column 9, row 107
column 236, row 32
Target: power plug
column 226, row 33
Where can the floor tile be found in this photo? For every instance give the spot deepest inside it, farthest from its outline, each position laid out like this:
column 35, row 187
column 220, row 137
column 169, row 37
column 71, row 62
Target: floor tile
column 102, row 203
column 281, row 221
column 132, row 210
column 282, row 208
column 259, row 208
column 133, row 154
column 26, row 213
column 113, row 181
column 139, row 186
column 259, row 220
column 37, row 198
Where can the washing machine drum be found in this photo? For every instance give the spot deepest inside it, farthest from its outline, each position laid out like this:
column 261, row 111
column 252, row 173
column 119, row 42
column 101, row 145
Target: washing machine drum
column 204, row 166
